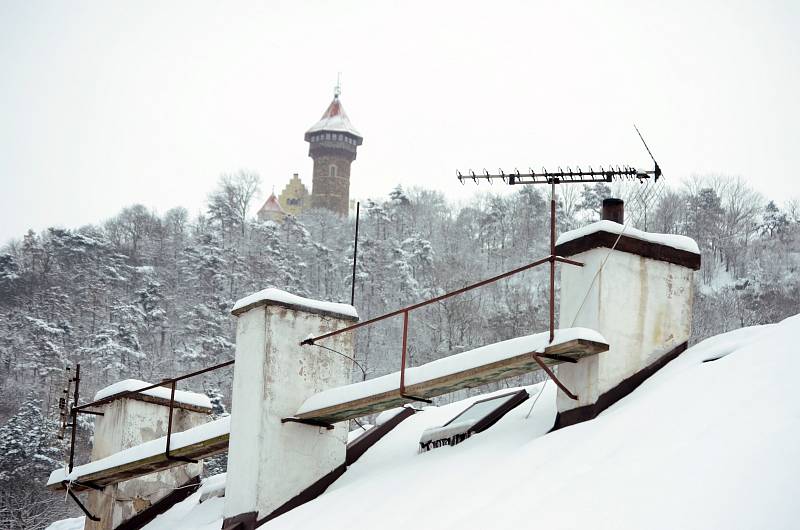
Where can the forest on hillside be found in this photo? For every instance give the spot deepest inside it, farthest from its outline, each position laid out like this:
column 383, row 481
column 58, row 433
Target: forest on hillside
column 148, row 296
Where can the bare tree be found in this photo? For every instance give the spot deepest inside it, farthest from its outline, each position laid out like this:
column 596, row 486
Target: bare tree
column 792, row 209
column 230, row 202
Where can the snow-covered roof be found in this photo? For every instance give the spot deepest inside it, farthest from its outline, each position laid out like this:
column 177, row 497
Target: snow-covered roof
column 272, row 295
column 272, row 205
column 131, row 385
column 335, row 120
column 670, row 240
column 73, row 523
column 698, row 445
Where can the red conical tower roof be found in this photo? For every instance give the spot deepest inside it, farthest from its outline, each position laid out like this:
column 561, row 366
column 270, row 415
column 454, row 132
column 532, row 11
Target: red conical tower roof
column 335, row 120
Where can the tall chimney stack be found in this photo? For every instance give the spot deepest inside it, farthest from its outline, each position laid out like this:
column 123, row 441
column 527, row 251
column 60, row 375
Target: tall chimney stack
column 614, row 210
column 636, row 289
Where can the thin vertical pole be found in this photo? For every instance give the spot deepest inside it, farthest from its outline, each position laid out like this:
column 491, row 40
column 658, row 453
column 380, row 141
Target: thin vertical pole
column 169, row 421
column 74, row 417
column 403, row 361
column 552, row 257
column 355, row 256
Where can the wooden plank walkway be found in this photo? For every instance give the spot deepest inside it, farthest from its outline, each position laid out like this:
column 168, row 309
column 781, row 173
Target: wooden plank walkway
column 347, row 409
column 209, row 448
column 145, row 465
column 200, row 442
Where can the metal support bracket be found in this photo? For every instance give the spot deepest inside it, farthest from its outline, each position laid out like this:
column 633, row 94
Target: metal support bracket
column 315, row 423
column 90, row 485
column 180, row 458
column 79, row 503
column 415, row 398
column 169, row 430
column 559, row 358
column 552, row 376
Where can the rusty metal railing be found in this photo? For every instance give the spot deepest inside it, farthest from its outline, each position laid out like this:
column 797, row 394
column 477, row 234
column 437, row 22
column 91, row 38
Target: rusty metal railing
column 552, row 259
column 76, row 409
column 165, row 383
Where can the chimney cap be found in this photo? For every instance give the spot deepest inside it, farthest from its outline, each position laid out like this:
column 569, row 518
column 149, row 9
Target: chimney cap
column 613, row 210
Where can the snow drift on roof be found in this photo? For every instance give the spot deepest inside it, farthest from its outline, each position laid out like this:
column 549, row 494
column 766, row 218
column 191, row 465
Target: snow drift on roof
column 74, row 523
column 698, row 445
column 670, row 240
column 272, row 294
column 335, row 120
column 181, row 396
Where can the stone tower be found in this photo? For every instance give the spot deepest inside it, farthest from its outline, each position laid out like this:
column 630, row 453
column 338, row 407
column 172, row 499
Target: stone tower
column 333, row 142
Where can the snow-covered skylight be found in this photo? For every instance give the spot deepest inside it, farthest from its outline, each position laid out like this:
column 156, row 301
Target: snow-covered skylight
column 476, row 418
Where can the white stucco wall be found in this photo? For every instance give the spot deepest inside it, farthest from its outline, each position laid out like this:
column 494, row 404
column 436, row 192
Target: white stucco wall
column 127, row 423
column 270, row 462
column 643, row 307
column 130, row 422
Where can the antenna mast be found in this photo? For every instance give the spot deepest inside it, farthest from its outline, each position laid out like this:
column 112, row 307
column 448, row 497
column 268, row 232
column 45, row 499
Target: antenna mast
column 568, row 176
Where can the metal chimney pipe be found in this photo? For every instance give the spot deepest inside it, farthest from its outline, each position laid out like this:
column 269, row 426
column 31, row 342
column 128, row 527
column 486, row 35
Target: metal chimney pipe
column 614, row 210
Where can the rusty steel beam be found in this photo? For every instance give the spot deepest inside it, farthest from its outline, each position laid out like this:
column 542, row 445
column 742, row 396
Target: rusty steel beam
column 405, row 349
column 165, row 382
column 80, row 505
column 169, row 430
column 428, row 302
column 552, row 376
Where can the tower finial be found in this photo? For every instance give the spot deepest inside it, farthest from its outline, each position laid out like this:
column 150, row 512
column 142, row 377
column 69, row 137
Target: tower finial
column 338, row 88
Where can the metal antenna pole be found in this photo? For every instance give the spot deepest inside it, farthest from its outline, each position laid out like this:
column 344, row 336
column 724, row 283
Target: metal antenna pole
column 355, row 256
column 74, row 417
column 552, row 258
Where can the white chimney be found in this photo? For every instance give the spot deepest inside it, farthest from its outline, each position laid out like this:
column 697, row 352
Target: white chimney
column 638, row 296
column 130, row 420
column 269, row 461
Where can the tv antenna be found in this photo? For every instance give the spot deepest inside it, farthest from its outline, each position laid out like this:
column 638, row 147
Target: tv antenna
column 567, row 176
column 570, row 176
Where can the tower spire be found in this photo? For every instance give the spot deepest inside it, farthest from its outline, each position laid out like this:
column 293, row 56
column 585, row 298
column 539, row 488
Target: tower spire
column 337, row 90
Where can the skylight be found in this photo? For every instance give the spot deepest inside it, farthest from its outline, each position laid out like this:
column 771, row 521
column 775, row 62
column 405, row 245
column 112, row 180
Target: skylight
column 474, row 419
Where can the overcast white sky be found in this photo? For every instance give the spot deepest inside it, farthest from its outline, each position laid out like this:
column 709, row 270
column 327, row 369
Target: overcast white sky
column 105, row 104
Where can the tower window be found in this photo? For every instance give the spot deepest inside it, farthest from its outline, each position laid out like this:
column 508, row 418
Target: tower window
column 332, row 170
